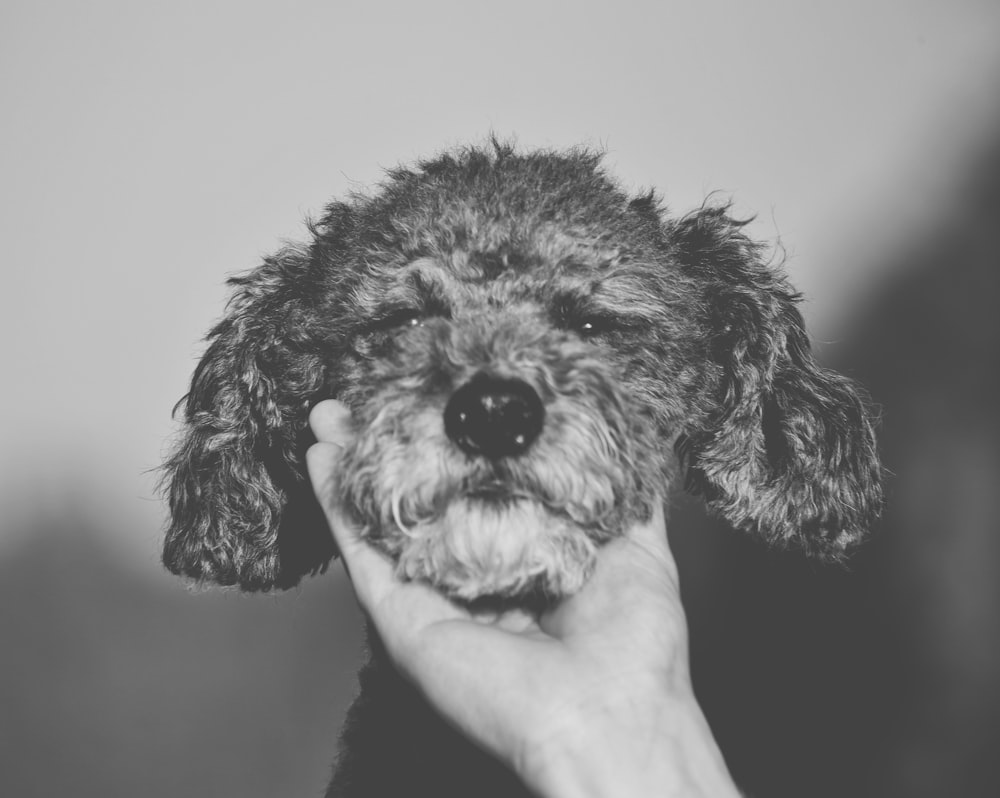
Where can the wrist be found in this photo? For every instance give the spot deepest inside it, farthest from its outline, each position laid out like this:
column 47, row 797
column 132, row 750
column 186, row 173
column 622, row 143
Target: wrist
column 664, row 749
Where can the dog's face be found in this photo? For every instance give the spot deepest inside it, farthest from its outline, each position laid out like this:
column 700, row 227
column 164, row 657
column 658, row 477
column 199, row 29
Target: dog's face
column 510, row 412
column 531, row 357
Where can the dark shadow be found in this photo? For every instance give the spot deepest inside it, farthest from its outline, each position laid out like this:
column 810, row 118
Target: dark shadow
column 883, row 680
column 115, row 685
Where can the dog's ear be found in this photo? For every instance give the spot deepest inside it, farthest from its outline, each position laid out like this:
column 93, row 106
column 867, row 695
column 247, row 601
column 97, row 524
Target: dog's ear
column 242, row 511
column 790, row 452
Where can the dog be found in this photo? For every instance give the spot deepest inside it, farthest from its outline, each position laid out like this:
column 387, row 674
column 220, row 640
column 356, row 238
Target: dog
column 532, row 357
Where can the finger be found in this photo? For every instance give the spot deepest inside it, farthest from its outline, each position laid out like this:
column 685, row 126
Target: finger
column 330, row 421
column 650, row 542
column 395, row 607
column 323, row 461
column 635, row 575
column 370, row 572
column 641, row 554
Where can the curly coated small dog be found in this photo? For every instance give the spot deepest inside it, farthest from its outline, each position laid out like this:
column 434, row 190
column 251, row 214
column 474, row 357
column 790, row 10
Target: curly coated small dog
column 531, row 356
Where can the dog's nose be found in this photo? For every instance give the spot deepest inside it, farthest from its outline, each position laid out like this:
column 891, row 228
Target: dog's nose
column 494, row 416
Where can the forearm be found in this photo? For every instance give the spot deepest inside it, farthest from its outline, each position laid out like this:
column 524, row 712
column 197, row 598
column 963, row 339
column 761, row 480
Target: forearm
column 668, row 753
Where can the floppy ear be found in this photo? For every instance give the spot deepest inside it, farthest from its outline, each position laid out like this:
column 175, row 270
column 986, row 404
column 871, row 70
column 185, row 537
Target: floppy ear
column 790, row 452
column 242, row 511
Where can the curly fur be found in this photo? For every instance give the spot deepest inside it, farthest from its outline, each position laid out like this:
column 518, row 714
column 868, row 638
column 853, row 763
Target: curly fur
column 658, row 347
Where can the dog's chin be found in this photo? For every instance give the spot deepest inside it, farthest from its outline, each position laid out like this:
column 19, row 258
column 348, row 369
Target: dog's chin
column 482, row 548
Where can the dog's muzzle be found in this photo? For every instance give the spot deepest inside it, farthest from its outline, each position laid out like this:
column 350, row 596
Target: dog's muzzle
column 494, row 417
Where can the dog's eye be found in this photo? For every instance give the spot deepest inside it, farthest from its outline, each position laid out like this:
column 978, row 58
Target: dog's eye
column 587, row 320
column 593, row 325
column 588, row 327
column 395, row 319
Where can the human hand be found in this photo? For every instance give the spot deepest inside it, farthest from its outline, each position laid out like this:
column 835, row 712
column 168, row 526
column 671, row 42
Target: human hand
column 592, row 697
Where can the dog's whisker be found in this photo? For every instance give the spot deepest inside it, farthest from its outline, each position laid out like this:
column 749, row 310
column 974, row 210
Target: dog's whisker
column 397, row 515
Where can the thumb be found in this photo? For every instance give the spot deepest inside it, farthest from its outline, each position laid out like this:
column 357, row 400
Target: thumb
column 331, row 423
column 398, row 610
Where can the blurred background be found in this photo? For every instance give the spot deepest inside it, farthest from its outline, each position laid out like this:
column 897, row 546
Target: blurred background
column 151, row 149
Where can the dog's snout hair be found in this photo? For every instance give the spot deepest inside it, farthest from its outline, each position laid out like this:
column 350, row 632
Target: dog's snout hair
column 516, row 504
column 532, row 357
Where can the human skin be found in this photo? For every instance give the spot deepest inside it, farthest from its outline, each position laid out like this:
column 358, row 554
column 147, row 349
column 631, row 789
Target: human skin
column 592, row 698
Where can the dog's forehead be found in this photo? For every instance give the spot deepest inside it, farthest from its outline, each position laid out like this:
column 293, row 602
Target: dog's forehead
column 491, row 231
column 541, row 255
column 516, row 263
